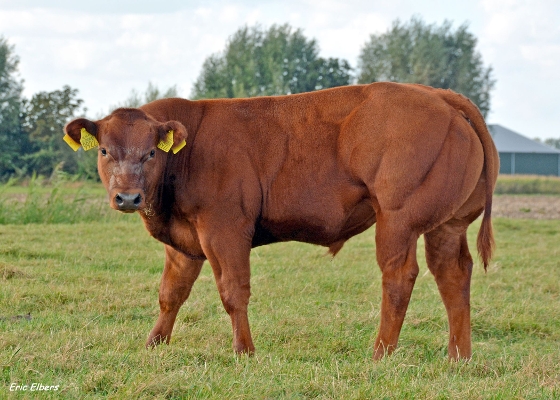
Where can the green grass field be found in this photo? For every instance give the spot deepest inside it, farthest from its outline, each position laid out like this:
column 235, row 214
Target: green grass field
column 78, row 300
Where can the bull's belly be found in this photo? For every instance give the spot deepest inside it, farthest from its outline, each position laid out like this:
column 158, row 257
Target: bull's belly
column 322, row 229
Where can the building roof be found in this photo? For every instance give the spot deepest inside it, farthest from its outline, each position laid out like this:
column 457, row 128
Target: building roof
column 508, row 141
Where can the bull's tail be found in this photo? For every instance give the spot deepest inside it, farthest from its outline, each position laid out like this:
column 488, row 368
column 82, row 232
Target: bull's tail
column 485, row 241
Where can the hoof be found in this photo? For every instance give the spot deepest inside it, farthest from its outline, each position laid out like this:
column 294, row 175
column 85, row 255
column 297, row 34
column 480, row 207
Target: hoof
column 155, row 340
column 240, row 350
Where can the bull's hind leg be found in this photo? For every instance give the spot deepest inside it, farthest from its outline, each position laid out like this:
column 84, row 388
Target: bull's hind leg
column 449, row 260
column 178, row 277
column 396, row 255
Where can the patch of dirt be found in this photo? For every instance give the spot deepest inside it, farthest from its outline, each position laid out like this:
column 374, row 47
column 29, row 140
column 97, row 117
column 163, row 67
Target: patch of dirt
column 8, row 272
column 26, row 317
column 526, row 206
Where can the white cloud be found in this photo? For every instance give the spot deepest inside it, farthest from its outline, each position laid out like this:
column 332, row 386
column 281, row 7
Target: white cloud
column 334, row 42
column 229, row 13
column 521, row 20
column 253, row 17
column 74, row 55
column 545, row 56
column 521, row 39
column 204, row 12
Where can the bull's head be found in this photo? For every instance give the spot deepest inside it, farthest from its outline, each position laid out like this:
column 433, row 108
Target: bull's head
column 133, row 150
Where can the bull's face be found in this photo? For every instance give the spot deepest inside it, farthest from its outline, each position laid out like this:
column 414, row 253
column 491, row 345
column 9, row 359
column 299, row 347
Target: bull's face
column 133, row 150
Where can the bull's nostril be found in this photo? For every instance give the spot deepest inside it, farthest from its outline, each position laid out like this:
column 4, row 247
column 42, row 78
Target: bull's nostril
column 128, row 201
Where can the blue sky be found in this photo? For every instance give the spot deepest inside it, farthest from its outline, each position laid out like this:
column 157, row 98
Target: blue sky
column 107, row 48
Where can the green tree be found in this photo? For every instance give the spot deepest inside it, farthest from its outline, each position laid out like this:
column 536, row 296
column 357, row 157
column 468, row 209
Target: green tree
column 276, row 61
column 44, row 117
column 12, row 142
column 552, row 142
column 152, row 93
column 431, row 55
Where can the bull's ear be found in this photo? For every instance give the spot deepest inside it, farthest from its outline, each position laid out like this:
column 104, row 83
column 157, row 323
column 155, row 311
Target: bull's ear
column 81, row 133
column 172, row 135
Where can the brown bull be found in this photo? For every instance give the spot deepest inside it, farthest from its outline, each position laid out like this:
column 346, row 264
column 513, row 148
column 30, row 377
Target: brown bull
column 318, row 168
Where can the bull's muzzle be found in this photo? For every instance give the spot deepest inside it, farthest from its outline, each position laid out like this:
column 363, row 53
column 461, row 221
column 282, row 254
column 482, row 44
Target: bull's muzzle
column 128, row 202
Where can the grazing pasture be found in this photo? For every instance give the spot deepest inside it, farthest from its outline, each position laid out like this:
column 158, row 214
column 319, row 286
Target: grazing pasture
column 76, row 300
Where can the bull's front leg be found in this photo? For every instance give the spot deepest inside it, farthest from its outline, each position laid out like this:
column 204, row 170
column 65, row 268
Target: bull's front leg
column 227, row 249
column 178, row 277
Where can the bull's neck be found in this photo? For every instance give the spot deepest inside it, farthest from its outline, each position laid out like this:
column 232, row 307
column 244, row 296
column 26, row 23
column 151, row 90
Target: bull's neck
column 161, row 197
column 157, row 213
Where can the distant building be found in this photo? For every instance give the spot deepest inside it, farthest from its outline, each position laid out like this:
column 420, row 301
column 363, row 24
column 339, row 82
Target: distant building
column 521, row 155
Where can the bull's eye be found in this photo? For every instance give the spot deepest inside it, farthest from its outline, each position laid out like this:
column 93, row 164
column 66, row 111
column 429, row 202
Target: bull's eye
column 152, row 153
column 103, row 152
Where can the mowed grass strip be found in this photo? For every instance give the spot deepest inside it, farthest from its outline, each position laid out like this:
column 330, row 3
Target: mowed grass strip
column 77, row 302
column 527, row 184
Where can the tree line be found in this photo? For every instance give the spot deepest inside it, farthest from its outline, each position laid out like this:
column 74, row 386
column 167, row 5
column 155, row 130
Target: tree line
column 255, row 62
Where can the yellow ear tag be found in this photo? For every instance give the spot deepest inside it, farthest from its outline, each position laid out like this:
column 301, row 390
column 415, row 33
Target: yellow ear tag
column 71, row 142
column 87, row 140
column 165, row 144
column 179, row 146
